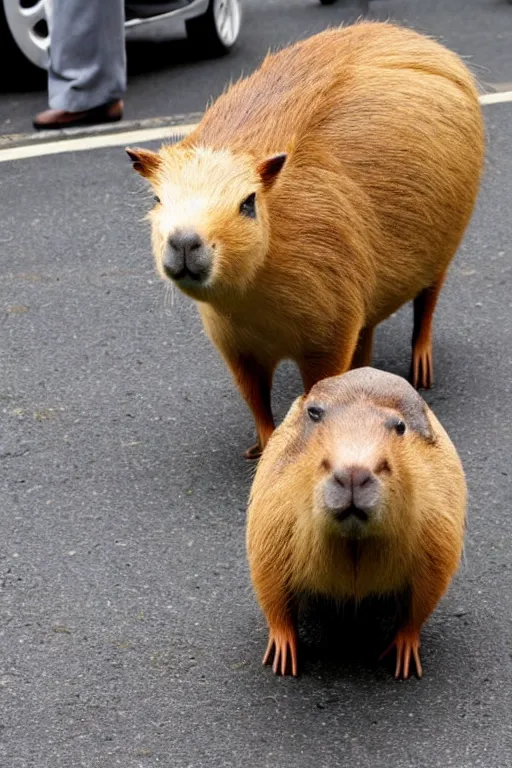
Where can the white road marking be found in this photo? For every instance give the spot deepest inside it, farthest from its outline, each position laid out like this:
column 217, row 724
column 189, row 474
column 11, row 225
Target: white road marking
column 124, row 138
column 495, row 98
column 141, row 135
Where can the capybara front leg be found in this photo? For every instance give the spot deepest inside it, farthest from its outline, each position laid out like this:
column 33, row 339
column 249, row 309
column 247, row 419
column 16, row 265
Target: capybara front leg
column 363, row 353
column 282, row 649
column 282, row 643
column 407, row 644
column 422, row 365
column 268, row 562
column 316, row 365
column 427, row 589
column 255, row 382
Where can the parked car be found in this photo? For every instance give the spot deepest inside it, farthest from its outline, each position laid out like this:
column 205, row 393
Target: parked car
column 212, row 26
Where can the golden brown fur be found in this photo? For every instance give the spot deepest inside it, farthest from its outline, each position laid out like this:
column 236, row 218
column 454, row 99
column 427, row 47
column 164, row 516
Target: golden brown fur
column 385, row 146
column 415, row 541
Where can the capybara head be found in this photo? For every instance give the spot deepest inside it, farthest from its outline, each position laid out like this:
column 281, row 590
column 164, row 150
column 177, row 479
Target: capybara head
column 361, row 434
column 210, row 222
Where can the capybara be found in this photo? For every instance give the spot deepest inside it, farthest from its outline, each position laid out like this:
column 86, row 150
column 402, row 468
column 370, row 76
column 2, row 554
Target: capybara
column 317, row 196
column 359, row 493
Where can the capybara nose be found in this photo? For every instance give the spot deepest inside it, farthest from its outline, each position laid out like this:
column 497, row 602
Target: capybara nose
column 351, row 491
column 186, row 256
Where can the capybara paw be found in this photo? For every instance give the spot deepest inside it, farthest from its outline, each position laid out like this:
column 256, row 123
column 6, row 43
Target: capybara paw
column 407, row 644
column 282, row 648
column 253, row 453
column 422, row 368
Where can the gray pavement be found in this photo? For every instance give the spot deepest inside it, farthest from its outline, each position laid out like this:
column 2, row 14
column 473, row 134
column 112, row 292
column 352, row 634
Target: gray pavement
column 129, row 635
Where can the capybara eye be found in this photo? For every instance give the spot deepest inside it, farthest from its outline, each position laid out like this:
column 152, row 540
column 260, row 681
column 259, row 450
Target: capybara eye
column 156, row 199
column 315, row 413
column 248, row 206
column 399, row 427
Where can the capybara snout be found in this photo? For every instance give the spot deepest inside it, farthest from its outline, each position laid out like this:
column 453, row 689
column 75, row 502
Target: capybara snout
column 187, row 257
column 351, row 489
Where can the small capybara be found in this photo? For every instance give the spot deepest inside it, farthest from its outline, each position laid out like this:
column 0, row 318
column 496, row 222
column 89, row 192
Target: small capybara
column 317, row 196
column 359, row 492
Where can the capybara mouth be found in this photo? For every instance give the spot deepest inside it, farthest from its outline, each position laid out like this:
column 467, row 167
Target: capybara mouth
column 186, row 276
column 351, row 511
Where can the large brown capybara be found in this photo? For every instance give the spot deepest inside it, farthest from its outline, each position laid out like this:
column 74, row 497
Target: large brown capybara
column 317, row 196
column 359, row 493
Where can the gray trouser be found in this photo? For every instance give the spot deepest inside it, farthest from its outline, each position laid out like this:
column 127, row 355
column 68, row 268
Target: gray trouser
column 87, row 54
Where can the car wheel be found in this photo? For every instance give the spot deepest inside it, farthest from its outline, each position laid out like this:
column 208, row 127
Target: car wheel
column 216, row 32
column 24, row 33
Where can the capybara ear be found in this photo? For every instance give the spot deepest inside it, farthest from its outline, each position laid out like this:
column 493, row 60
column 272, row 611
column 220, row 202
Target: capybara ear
column 144, row 161
column 270, row 168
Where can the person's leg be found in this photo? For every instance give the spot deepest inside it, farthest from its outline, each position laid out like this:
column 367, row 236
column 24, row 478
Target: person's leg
column 87, row 57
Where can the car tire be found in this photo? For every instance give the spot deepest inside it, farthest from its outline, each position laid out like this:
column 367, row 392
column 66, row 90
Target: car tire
column 216, row 32
column 13, row 60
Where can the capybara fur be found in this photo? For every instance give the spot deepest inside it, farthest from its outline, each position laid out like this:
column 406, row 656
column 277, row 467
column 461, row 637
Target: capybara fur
column 359, row 493
column 317, row 196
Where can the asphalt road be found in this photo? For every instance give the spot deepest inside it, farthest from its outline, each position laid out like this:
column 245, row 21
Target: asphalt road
column 129, row 635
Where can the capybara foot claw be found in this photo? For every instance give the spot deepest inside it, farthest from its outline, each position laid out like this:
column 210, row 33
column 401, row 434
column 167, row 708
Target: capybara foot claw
column 407, row 644
column 422, row 369
column 253, row 453
column 282, row 645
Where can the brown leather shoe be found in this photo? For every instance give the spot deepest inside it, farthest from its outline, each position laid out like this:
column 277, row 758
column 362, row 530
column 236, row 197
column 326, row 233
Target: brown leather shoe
column 52, row 119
